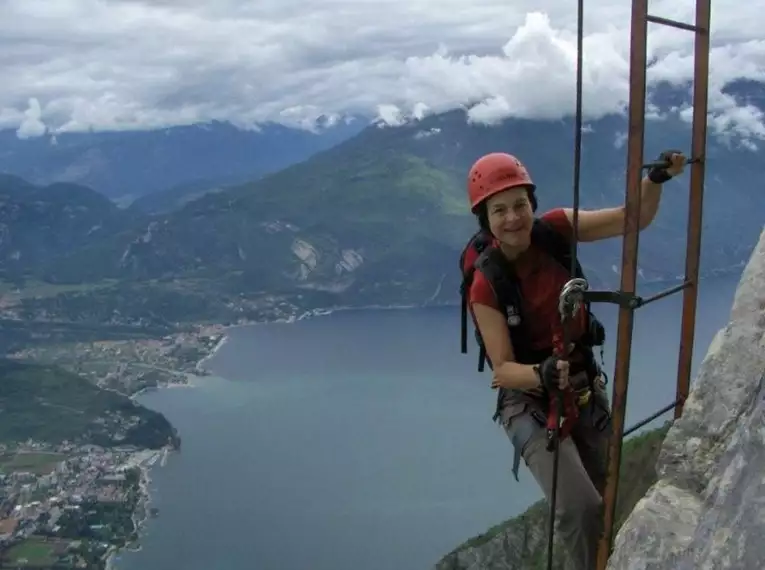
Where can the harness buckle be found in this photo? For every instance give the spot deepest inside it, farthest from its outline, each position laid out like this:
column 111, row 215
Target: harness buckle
column 583, row 397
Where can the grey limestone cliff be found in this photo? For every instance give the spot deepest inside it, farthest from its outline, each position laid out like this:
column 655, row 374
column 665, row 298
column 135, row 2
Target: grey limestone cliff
column 707, row 509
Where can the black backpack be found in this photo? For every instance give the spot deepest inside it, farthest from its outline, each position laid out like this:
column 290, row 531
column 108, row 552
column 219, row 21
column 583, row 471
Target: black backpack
column 480, row 255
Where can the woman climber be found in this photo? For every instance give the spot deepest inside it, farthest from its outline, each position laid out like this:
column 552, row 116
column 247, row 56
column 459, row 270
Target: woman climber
column 503, row 198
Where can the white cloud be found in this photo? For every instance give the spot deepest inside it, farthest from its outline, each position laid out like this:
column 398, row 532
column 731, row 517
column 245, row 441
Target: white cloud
column 31, row 125
column 390, row 115
column 113, row 64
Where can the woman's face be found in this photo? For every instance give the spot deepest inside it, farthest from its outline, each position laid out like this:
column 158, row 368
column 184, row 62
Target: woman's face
column 511, row 217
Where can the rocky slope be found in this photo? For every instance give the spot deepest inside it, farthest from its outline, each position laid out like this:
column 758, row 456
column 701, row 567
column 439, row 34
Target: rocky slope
column 695, row 500
column 707, row 509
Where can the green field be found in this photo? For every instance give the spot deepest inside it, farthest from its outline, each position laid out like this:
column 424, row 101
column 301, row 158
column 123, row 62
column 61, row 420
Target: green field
column 33, row 553
column 35, row 288
column 37, row 463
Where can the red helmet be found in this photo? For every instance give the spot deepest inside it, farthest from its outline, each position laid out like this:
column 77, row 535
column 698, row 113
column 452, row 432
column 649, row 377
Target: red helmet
column 494, row 173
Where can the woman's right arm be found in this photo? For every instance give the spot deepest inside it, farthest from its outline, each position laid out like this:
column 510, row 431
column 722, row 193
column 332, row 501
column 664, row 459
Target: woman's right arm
column 496, row 338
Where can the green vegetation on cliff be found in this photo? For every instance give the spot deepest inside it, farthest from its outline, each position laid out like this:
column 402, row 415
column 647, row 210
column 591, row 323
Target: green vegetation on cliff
column 526, row 534
column 48, row 404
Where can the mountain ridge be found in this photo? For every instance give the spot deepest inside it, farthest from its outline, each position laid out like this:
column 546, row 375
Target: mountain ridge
column 128, row 164
column 377, row 219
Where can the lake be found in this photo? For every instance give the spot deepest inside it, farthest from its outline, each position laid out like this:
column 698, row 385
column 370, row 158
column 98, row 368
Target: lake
column 362, row 440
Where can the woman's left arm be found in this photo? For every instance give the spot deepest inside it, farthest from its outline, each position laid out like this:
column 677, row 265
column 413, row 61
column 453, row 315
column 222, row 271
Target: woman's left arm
column 595, row 225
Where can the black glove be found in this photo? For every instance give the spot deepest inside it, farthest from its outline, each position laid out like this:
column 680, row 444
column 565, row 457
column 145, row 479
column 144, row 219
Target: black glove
column 584, row 361
column 659, row 174
column 549, row 375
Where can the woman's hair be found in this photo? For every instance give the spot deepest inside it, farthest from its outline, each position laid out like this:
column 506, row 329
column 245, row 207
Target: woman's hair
column 482, row 214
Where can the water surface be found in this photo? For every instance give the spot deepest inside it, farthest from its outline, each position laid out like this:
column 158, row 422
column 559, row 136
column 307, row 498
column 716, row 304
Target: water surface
column 361, row 440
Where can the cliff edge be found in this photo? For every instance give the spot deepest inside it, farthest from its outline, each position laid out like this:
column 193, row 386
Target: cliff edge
column 707, row 508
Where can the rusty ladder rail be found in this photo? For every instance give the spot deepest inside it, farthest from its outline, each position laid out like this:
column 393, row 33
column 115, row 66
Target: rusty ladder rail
column 638, row 65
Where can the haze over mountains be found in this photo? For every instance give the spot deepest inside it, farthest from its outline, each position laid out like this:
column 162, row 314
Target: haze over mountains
column 127, row 165
column 378, row 218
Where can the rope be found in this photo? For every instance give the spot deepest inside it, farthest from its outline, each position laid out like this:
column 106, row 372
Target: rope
column 577, row 130
column 574, row 244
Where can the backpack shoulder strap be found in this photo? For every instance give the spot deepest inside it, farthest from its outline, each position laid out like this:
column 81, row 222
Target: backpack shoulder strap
column 500, row 274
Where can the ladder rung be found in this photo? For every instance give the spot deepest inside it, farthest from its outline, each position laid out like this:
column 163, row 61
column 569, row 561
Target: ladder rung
column 675, row 24
column 650, row 418
column 666, row 292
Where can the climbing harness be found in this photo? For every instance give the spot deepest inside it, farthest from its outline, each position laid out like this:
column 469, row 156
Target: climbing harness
column 564, row 404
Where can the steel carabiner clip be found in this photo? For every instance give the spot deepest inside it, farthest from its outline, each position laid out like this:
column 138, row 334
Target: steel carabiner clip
column 571, row 297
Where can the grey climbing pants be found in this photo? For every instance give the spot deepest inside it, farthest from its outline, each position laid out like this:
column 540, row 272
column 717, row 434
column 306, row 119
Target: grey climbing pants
column 581, row 470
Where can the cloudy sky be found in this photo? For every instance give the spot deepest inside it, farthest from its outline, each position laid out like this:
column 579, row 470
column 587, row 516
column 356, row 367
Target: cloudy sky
column 115, row 64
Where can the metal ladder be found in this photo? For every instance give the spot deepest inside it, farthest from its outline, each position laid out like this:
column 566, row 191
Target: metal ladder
column 635, row 167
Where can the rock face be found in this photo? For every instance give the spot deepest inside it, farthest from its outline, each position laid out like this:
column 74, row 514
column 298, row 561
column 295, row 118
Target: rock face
column 707, row 509
column 520, row 546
